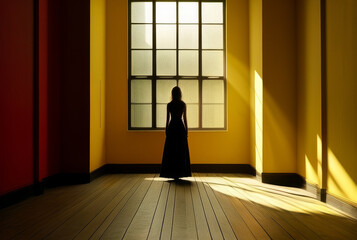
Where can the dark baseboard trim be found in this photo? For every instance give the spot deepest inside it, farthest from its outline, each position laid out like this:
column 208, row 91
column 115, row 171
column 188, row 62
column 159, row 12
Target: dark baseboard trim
column 133, row 168
column 223, row 168
column 203, row 168
column 98, row 172
column 66, row 179
column 349, row 209
column 322, row 194
column 283, row 179
column 16, row 196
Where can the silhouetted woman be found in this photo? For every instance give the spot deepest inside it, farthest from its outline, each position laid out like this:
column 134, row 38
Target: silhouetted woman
column 176, row 157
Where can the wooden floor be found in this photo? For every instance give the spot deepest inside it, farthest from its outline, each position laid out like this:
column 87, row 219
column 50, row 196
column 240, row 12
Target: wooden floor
column 143, row 206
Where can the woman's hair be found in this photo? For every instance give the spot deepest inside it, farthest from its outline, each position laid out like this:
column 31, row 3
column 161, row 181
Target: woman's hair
column 176, row 93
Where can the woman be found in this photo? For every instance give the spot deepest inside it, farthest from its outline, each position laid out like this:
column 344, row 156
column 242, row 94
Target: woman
column 176, row 157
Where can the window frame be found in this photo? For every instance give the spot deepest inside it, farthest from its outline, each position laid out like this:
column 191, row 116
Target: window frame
column 154, row 78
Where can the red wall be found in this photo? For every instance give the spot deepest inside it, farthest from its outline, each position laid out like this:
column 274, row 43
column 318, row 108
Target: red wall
column 16, row 95
column 64, row 82
column 49, row 88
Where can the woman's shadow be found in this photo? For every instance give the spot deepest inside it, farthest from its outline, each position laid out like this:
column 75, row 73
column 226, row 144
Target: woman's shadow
column 181, row 182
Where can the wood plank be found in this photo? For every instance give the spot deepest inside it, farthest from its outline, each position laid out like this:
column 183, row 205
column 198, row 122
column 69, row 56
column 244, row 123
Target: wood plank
column 121, row 222
column 140, row 225
column 277, row 215
column 210, row 215
column 169, row 212
column 184, row 226
column 95, row 223
column 223, row 222
column 250, row 221
column 203, row 230
column 76, row 223
column 144, row 207
column 110, row 218
column 157, row 222
column 274, row 230
column 301, row 221
column 237, row 222
column 51, row 211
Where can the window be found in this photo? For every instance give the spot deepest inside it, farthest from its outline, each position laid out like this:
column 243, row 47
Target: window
column 177, row 43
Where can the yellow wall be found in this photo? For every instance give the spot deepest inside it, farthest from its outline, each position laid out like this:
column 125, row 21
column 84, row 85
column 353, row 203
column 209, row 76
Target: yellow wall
column 256, row 75
column 309, row 88
column 231, row 146
column 341, row 22
column 279, row 86
column 97, row 84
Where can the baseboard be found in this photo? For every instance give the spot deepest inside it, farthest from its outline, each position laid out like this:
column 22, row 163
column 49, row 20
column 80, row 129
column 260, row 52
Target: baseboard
column 133, row 168
column 98, row 172
column 16, row 196
column 283, row 179
column 347, row 208
column 223, row 168
column 66, row 179
column 204, row 168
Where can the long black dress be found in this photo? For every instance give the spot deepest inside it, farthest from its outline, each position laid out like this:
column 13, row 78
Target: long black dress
column 176, row 157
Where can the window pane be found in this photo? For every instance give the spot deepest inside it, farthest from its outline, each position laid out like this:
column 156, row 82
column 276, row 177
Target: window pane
column 141, row 36
column 166, row 36
column 192, row 115
column 161, row 115
column 189, row 90
column 212, row 12
column 188, row 63
column 141, row 62
column 188, row 36
column 141, row 12
column 141, row 115
column 188, row 12
column 213, row 115
column 165, row 63
column 166, row 12
column 212, row 37
column 141, row 91
column 213, row 91
column 163, row 90
column 212, row 63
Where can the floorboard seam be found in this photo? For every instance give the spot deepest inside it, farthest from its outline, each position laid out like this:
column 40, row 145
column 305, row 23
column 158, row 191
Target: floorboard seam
column 194, row 215
column 48, row 214
column 203, row 207
column 126, row 181
column 82, row 207
column 136, row 211
column 214, row 212
column 248, row 209
column 137, row 186
column 163, row 219
column 173, row 214
column 153, row 216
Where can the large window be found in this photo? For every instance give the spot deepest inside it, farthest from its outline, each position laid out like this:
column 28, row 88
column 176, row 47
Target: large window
column 177, row 43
